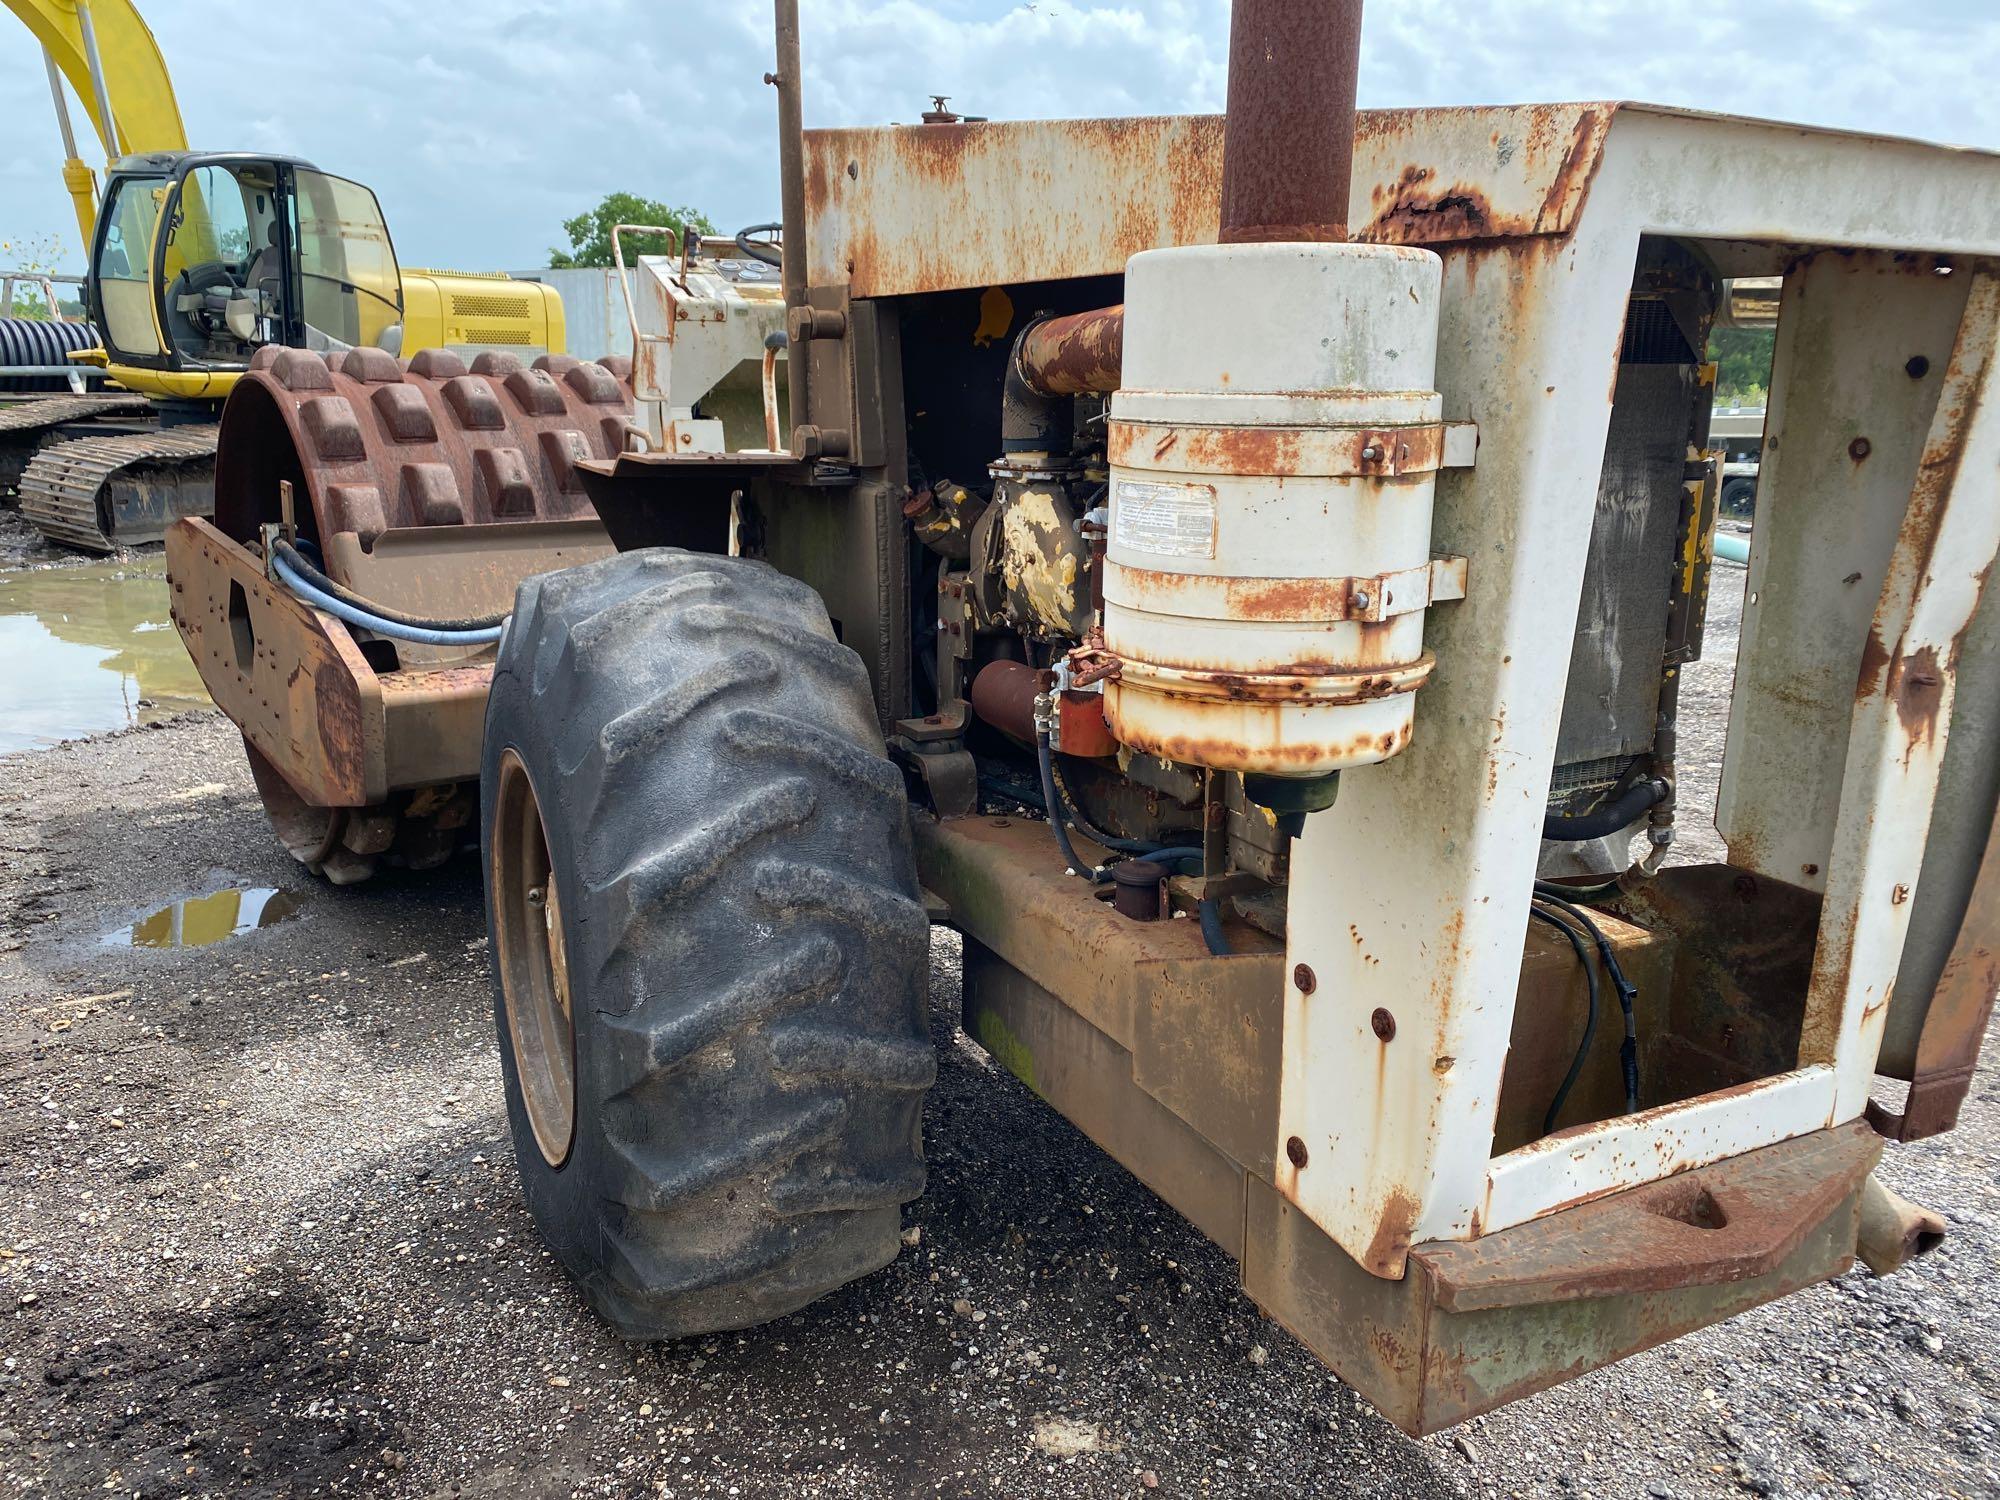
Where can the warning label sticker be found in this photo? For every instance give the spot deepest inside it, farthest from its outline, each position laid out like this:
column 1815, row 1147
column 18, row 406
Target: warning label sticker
column 1168, row 520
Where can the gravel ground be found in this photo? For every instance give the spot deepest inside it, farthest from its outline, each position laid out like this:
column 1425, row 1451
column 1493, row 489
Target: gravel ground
column 260, row 1233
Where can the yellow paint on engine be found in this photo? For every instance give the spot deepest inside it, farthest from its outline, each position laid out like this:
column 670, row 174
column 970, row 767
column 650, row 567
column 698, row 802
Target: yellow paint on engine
column 996, row 316
column 1029, row 532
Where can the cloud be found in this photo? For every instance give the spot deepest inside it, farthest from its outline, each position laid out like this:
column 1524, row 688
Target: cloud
column 483, row 127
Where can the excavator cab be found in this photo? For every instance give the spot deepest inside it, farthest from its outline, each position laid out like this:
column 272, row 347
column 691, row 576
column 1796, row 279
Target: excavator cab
column 202, row 259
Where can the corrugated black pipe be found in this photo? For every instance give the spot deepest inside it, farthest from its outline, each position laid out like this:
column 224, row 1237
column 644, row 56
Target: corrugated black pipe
column 39, row 341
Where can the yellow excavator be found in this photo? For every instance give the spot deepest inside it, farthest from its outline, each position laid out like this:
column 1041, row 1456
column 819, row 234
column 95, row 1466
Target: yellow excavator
column 198, row 261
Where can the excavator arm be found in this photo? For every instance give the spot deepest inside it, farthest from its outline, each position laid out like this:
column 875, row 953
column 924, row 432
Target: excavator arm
column 111, row 60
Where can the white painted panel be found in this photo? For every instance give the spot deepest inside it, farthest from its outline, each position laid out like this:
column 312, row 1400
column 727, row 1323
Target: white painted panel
column 1562, row 1171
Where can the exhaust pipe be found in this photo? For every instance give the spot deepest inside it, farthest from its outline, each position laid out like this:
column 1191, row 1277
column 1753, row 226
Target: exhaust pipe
column 1288, row 137
column 1287, row 168
column 1894, row 1231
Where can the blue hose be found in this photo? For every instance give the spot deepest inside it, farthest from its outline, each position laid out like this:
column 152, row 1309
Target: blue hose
column 1211, row 928
column 341, row 610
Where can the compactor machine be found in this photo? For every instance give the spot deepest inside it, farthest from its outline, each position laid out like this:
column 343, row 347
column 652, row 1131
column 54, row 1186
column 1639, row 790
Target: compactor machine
column 1238, row 571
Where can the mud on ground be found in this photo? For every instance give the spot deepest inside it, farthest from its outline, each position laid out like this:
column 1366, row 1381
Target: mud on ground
column 260, row 1234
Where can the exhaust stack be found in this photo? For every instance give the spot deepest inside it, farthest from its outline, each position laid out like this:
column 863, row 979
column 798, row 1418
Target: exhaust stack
column 1288, row 139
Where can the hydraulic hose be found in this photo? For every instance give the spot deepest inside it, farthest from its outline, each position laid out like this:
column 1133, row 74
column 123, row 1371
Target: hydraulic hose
column 1076, row 821
column 306, row 569
column 1059, row 814
column 1590, row 1020
column 1607, row 817
column 1045, row 760
column 1211, row 928
column 340, row 609
column 1563, row 890
column 1628, row 1049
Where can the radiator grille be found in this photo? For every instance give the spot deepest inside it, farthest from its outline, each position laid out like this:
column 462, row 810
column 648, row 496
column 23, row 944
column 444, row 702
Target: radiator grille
column 488, row 305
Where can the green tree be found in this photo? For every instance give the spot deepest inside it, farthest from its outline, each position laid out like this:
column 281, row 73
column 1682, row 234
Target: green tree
column 1743, row 364
column 37, row 254
column 590, row 233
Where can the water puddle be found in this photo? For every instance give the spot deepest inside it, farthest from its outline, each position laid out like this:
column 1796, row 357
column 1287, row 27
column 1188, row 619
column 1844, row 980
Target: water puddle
column 87, row 650
column 196, row 921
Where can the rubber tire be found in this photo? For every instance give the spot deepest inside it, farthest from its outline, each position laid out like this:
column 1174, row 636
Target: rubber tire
column 748, row 959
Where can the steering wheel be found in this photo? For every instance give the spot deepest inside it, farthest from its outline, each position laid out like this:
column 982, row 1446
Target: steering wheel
column 211, row 281
column 207, row 276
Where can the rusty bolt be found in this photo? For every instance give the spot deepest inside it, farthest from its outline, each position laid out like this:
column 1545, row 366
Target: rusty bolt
column 1810, row 869
column 1382, row 1024
column 1859, row 449
column 1295, row 1152
column 1372, row 453
column 1303, row 978
column 1900, row 894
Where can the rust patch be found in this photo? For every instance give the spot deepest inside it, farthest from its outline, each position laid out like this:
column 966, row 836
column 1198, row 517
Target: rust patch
column 937, row 152
column 1916, row 684
column 1874, row 664
column 817, row 185
column 1281, row 452
column 1572, row 179
column 1076, row 355
column 337, row 708
column 1416, row 210
column 1264, row 752
column 1286, row 598
column 1244, row 450
column 1393, row 1234
column 1730, row 1221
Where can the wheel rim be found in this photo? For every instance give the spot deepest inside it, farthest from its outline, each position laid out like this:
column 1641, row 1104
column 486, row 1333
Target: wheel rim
column 534, row 965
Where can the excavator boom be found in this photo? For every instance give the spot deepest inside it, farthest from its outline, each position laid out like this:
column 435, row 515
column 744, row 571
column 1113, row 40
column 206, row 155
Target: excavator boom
column 110, row 58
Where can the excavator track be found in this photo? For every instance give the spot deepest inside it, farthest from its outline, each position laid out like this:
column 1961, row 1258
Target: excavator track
column 26, row 426
column 103, row 493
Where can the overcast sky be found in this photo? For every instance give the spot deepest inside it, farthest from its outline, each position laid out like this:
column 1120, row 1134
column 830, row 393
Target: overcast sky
column 483, row 124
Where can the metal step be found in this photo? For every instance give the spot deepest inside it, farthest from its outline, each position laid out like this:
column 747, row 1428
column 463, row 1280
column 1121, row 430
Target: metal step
column 103, row 493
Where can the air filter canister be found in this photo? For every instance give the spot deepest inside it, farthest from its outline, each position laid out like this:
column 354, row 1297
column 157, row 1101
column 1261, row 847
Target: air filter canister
column 1273, row 450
